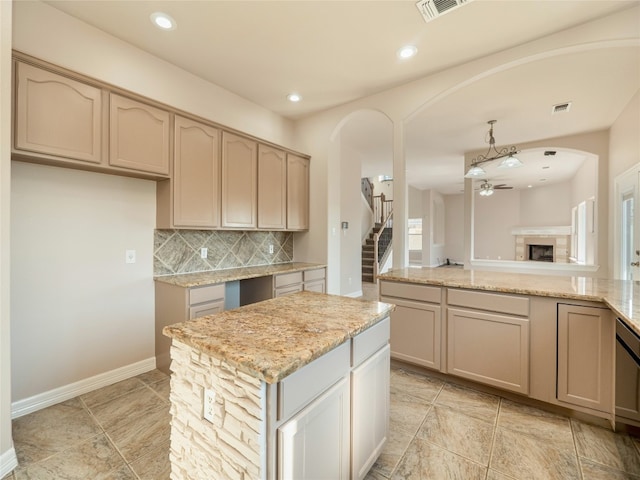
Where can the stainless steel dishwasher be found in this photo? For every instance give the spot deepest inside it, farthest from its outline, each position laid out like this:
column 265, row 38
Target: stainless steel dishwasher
column 627, row 374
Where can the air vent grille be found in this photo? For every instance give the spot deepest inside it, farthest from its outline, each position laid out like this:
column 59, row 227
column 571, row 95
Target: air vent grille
column 560, row 108
column 549, row 153
column 431, row 9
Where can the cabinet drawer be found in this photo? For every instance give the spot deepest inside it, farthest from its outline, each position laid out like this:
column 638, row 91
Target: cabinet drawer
column 288, row 279
column 206, row 309
column 316, row 274
column 281, row 292
column 493, row 302
column 423, row 293
column 302, row 386
column 206, row 294
column 370, row 341
column 317, row 286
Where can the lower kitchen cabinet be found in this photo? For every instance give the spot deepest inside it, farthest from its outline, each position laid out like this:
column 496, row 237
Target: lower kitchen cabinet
column 489, row 348
column 369, row 414
column 314, row 444
column 586, row 337
column 177, row 304
column 333, row 414
column 415, row 323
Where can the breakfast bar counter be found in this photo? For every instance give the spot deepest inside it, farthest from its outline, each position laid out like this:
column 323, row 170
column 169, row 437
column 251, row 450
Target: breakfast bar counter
column 621, row 296
column 292, row 387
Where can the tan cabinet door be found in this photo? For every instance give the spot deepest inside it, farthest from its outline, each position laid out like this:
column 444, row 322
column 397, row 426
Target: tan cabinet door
column 239, row 181
column 489, row 348
column 586, row 337
column 138, row 136
column 415, row 332
column 297, row 192
column 272, row 188
column 196, row 174
column 55, row 115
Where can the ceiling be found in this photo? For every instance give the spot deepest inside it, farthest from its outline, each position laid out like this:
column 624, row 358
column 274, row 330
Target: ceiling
column 332, row 52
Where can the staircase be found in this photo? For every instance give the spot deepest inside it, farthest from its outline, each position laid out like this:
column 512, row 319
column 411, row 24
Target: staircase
column 368, row 249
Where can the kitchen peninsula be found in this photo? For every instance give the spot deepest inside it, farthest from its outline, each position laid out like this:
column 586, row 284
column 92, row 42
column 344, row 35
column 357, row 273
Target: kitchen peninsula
column 549, row 338
column 288, row 387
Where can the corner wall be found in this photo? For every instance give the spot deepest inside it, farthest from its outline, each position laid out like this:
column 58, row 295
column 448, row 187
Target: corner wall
column 8, row 460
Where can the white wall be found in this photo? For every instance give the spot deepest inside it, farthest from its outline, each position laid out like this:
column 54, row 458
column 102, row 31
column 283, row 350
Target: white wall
column 433, row 228
column 47, row 33
column 350, row 239
column 495, row 216
column 77, row 310
column 51, row 35
column 595, row 143
column 545, row 206
column 8, row 458
column 454, row 228
column 401, row 103
column 624, row 153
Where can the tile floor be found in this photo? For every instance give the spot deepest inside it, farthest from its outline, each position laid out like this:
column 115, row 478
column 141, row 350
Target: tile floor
column 438, row 430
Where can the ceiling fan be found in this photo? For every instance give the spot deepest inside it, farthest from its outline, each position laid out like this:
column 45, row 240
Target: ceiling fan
column 487, row 189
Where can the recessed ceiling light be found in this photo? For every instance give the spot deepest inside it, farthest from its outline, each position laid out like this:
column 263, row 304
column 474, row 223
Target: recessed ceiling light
column 529, row 186
column 294, row 97
column 407, row 51
column 163, row 21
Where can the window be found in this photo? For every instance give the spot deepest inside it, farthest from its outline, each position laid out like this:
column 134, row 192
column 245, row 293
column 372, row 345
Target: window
column 415, row 233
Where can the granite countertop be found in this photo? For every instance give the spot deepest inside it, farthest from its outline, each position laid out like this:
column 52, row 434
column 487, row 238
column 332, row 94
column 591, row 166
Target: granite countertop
column 622, row 296
column 272, row 339
column 188, row 280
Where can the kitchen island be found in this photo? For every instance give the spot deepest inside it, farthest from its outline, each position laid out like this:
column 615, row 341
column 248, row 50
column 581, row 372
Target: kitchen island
column 267, row 390
column 548, row 338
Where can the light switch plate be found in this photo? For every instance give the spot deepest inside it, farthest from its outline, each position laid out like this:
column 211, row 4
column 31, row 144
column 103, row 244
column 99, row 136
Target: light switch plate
column 130, row 256
column 203, row 252
column 209, row 404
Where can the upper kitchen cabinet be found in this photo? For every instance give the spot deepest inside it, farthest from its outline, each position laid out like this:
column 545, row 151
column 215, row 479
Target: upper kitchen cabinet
column 239, row 181
column 272, row 188
column 139, row 136
column 57, row 116
column 191, row 199
column 297, row 192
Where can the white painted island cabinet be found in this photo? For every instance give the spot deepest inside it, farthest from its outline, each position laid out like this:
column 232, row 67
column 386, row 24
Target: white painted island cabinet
column 303, row 396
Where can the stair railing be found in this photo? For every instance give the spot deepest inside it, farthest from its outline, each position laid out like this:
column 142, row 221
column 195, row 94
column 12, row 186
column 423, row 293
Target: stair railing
column 387, row 222
column 381, row 208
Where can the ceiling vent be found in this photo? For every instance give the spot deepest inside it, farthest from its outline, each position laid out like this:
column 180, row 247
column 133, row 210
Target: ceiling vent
column 560, row 108
column 549, row 153
column 431, row 9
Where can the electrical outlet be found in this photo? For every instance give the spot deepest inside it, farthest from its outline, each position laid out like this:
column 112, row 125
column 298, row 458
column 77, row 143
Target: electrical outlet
column 270, row 248
column 203, row 252
column 130, row 256
column 209, row 404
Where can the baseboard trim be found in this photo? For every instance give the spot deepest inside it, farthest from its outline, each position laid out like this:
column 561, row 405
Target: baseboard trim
column 66, row 392
column 354, row 294
column 8, row 462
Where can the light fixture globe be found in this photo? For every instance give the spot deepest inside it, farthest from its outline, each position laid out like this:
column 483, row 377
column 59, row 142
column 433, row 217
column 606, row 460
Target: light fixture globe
column 486, row 189
column 475, row 171
column 510, row 162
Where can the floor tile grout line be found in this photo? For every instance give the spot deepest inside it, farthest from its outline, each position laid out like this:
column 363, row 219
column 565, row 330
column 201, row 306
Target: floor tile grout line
column 495, row 432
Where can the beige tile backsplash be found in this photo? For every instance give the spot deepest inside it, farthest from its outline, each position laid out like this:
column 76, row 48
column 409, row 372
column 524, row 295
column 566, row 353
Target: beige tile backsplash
column 178, row 251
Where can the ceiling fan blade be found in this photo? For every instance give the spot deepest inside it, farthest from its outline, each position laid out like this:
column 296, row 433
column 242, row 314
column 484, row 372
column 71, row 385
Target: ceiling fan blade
column 502, row 186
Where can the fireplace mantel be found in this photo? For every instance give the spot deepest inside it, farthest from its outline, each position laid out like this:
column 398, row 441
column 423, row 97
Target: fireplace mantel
column 558, row 230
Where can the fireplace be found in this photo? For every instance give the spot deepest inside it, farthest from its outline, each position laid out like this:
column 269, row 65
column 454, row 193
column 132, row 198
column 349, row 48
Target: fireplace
column 541, row 253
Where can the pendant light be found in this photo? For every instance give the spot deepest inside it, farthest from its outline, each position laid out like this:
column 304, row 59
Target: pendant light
column 506, row 153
